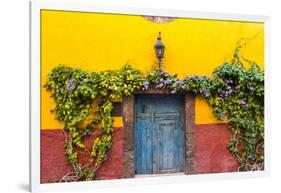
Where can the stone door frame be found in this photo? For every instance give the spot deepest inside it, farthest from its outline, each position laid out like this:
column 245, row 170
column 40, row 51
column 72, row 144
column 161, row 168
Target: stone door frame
column 128, row 113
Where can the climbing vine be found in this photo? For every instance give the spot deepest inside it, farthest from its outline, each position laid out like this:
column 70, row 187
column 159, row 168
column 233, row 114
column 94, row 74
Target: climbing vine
column 84, row 104
column 87, row 97
column 236, row 94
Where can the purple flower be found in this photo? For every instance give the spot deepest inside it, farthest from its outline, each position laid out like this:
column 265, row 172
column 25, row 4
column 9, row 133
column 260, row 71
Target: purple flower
column 145, row 85
column 207, row 95
column 71, row 85
column 251, row 88
column 227, row 93
column 251, row 158
column 237, row 86
column 242, row 102
column 173, row 91
column 161, row 80
column 229, row 81
column 228, row 87
column 167, row 82
column 179, row 84
column 165, row 75
column 160, row 85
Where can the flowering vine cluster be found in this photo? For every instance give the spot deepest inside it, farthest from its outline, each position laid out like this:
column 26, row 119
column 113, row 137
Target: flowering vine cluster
column 84, row 104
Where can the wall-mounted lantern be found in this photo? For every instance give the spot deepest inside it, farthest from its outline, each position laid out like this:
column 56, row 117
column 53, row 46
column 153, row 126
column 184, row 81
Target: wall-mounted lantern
column 159, row 49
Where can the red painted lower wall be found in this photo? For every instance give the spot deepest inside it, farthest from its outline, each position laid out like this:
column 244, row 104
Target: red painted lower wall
column 211, row 154
column 54, row 164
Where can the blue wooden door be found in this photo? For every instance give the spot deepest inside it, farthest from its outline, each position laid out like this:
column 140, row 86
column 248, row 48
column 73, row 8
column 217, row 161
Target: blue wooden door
column 159, row 134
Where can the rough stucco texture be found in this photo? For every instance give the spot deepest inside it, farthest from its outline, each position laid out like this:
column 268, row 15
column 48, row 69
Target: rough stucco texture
column 211, row 154
column 54, row 164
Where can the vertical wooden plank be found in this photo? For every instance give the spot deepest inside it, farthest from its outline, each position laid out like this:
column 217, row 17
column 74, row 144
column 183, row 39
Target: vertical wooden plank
column 155, row 156
column 147, row 147
column 143, row 142
column 168, row 146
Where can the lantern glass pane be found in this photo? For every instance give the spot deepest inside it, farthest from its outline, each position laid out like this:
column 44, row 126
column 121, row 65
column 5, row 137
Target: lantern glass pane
column 159, row 52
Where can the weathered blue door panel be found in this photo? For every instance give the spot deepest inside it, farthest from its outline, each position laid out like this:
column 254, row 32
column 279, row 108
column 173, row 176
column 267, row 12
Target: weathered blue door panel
column 159, row 134
column 144, row 144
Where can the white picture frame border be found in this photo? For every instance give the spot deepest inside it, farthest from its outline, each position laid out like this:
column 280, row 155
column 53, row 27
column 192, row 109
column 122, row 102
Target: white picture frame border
column 35, row 95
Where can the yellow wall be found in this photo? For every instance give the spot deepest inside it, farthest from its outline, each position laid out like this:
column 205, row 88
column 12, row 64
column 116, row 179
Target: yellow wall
column 98, row 42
